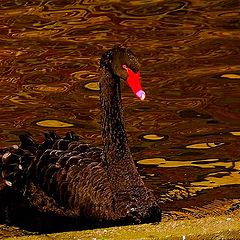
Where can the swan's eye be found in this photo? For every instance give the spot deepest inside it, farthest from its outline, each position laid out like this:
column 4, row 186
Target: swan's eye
column 124, row 67
column 135, row 70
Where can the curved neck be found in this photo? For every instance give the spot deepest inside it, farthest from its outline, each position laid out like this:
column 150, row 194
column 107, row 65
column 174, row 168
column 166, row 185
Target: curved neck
column 122, row 172
column 113, row 130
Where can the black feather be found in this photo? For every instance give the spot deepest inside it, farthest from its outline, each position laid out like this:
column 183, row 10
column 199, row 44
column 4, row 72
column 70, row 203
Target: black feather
column 67, row 178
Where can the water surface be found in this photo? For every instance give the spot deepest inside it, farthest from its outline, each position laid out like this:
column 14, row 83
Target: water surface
column 185, row 137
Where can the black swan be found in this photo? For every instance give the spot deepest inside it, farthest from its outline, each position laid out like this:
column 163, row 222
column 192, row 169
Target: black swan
column 65, row 177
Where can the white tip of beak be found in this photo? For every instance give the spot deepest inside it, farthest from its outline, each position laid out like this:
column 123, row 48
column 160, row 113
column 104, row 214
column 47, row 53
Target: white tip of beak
column 141, row 94
column 8, row 183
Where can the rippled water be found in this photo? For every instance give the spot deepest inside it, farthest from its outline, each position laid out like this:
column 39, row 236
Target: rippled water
column 185, row 136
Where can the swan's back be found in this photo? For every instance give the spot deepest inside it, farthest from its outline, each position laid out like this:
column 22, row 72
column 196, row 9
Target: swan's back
column 61, row 176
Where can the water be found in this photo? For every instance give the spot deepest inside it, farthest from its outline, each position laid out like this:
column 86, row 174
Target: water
column 185, row 136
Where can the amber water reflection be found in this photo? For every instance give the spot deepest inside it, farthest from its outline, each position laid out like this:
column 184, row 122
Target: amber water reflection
column 189, row 50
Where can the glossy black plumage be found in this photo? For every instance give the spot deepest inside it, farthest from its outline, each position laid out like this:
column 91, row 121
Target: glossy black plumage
column 67, row 178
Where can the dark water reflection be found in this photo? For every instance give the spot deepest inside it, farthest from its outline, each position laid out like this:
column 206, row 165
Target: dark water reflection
column 189, row 50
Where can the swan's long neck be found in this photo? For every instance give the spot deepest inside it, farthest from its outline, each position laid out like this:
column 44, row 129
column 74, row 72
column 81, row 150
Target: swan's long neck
column 113, row 130
column 120, row 166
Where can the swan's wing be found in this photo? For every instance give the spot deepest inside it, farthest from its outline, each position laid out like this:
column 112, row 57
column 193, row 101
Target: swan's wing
column 61, row 175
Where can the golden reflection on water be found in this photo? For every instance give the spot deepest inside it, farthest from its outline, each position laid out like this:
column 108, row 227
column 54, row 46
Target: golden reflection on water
column 153, row 137
column 231, row 76
column 235, row 133
column 92, row 86
column 212, row 181
column 202, row 163
column 204, row 145
column 54, row 123
column 184, row 136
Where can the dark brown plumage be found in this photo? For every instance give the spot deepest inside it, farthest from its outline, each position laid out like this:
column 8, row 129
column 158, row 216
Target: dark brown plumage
column 67, row 178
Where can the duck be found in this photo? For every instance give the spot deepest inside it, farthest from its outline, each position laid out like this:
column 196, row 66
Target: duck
column 65, row 177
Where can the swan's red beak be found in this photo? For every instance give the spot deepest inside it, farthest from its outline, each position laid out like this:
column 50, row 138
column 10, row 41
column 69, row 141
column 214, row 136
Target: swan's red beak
column 133, row 81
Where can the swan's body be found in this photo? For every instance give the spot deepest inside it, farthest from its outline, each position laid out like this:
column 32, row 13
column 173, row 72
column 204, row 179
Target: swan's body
column 66, row 178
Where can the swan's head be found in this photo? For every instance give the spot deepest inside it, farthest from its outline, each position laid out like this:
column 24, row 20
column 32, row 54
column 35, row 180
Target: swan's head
column 123, row 63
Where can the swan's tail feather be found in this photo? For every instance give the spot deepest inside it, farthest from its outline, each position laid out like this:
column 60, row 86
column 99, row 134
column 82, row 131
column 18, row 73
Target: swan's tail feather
column 64, row 143
column 49, row 168
column 30, row 158
column 52, row 135
column 71, row 136
column 15, row 161
column 50, row 139
column 14, row 164
column 27, row 143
